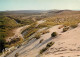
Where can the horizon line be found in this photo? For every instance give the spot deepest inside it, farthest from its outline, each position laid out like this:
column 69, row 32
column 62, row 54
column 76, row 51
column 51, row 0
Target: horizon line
column 42, row 9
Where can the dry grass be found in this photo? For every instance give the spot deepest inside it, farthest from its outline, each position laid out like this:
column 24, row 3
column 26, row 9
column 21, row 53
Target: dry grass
column 37, row 36
column 44, row 31
column 65, row 29
column 65, row 18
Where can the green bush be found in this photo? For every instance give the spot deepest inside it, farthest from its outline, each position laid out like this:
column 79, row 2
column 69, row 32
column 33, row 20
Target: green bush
column 43, row 50
column 49, row 44
column 54, row 34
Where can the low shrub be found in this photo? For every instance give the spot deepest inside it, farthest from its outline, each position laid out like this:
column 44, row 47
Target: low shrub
column 43, row 50
column 14, row 42
column 74, row 26
column 16, row 55
column 49, row 44
column 41, row 41
column 31, row 32
column 65, row 29
column 45, row 31
column 54, row 34
column 37, row 36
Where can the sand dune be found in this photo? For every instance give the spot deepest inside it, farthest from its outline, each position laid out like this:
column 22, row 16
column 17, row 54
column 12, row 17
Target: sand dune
column 66, row 45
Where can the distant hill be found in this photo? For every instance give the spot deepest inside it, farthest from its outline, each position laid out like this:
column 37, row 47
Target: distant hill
column 25, row 11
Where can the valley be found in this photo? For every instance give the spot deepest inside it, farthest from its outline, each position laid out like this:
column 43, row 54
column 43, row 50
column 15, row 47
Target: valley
column 52, row 33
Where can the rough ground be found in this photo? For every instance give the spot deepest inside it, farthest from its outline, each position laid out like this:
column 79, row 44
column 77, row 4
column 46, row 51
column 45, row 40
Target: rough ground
column 34, row 49
column 17, row 32
column 66, row 45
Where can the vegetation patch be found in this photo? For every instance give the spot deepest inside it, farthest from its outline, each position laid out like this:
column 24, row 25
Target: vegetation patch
column 30, row 30
column 29, row 33
column 2, row 44
column 47, row 24
column 50, row 44
column 43, row 50
column 6, row 26
column 14, row 42
column 44, row 31
column 17, row 54
column 74, row 26
column 47, row 47
column 41, row 40
column 37, row 36
column 65, row 29
column 54, row 34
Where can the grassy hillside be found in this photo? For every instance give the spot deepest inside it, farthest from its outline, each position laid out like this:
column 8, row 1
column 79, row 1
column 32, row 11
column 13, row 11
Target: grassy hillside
column 6, row 26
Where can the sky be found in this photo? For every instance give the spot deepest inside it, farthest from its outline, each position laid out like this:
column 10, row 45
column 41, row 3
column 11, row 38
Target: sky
column 39, row 4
